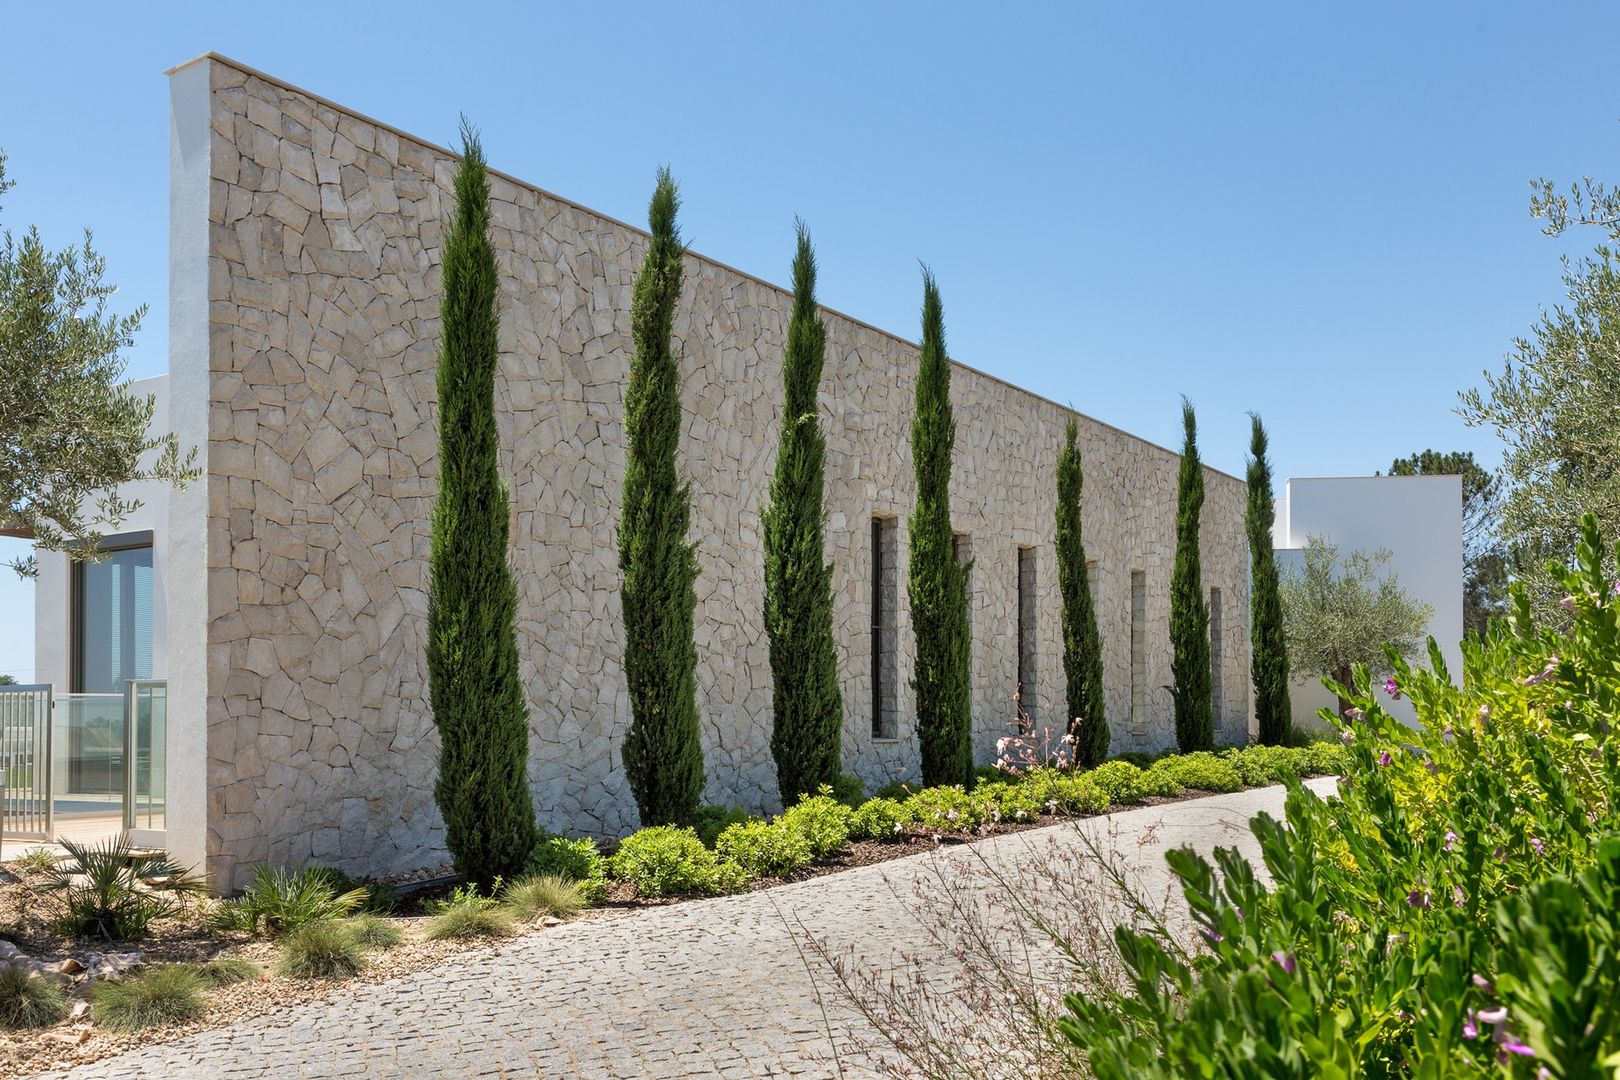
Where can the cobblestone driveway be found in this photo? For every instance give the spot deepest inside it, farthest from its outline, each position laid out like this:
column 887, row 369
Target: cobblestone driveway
column 717, row 988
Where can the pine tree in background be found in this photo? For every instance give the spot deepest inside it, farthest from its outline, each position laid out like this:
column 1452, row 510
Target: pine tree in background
column 938, row 585
column 1269, row 660
column 1082, row 642
column 807, row 736
column 477, row 697
column 663, row 751
column 1189, row 613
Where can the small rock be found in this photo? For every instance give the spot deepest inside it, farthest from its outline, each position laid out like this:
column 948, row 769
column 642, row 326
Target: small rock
column 80, row 1010
column 72, row 1037
column 69, row 966
column 551, row 920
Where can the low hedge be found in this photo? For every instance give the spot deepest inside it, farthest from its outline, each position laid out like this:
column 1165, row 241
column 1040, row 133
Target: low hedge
column 729, row 847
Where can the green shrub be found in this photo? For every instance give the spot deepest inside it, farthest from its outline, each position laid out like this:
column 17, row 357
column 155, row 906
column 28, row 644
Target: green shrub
column 849, row 790
column 278, row 900
column 373, row 931
column 896, row 790
column 881, row 819
column 1324, row 759
column 577, row 860
column 170, row 994
column 1078, row 795
column 467, row 913
column 823, row 821
column 1451, row 908
column 36, row 860
column 381, row 897
column 1139, row 758
column 111, row 891
column 710, row 821
column 666, row 860
column 1200, row 770
column 1013, row 803
column 946, row 808
column 224, row 970
column 29, row 1001
column 322, row 949
column 774, row 850
column 536, row 897
column 1260, row 765
column 1120, row 781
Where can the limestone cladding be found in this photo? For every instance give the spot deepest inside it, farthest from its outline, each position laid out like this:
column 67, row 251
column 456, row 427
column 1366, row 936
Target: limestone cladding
column 325, row 237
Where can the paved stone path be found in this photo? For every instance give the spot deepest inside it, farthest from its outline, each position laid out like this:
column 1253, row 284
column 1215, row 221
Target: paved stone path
column 715, row 988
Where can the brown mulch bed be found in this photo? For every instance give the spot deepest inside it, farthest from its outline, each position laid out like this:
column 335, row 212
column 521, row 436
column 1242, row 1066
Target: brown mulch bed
column 24, row 914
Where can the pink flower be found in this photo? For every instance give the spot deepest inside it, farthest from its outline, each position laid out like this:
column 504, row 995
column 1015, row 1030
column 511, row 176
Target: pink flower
column 1546, row 673
column 1285, row 960
column 1419, row 898
column 1384, row 758
column 1567, row 603
column 1492, row 1016
column 1451, row 838
column 1484, row 984
column 1535, row 842
column 1484, row 713
column 1393, row 689
column 1347, row 736
column 1512, row 1047
column 1353, row 713
column 1458, row 897
column 1469, row 1030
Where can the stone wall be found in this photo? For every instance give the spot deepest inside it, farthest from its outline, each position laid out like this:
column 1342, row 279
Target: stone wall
column 323, row 286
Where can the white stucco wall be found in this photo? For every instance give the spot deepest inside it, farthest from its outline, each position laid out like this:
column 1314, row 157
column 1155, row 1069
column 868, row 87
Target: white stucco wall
column 1418, row 519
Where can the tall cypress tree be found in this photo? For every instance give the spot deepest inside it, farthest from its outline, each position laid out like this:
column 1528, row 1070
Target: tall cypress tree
column 1082, row 642
column 806, row 739
column 663, row 751
column 1189, row 612
column 1269, row 660
column 477, row 697
column 938, row 583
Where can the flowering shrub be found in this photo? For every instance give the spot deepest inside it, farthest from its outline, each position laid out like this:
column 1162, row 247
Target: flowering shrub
column 576, row 860
column 764, row 850
column 1012, row 803
column 669, row 861
column 1031, row 749
column 822, row 820
column 881, row 819
column 946, row 809
column 1451, row 912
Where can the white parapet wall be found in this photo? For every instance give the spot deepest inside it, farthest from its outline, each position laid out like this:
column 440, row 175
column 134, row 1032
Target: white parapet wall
column 1417, row 519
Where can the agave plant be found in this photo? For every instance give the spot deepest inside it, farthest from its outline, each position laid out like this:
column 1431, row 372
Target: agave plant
column 110, row 890
column 279, row 900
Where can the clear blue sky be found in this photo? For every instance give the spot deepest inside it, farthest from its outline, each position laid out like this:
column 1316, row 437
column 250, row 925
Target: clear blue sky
column 1317, row 213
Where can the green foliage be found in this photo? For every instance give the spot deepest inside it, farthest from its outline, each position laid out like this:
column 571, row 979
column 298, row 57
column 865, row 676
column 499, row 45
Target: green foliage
column 808, row 716
column 73, row 432
column 111, row 891
column 1009, row 802
column 278, row 900
column 467, row 913
column 1257, row 766
column 1082, row 641
column 765, row 850
column 324, row 949
column 226, row 970
column 665, row 860
column 1268, row 658
column 576, row 860
column 822, row 820
column 167, row 994
column 710, row 821
column 373, row 931
column 532, row 898
column 1342, row 612
column 36, row 860
column 849, row 790
column 1485, row 558
column 946, row 808
column 381, row 897
column 663, row 751
column 28, row 1000
column 938, row 583
column 1200, row 771
column 1120, row 781
column 474, row 684
column 881, row 819
column 1189, row 612
column 1449, row 913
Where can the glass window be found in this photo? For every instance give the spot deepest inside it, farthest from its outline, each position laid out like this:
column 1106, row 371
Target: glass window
column 113, row 621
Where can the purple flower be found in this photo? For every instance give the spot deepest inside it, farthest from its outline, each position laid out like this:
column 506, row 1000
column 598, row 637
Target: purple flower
column 1513, row 1046
column 1347, row 736
column 1451, row 838
column 1384, row 759
column 1567, row 603
column 1214, row 936
column 1484, row 713
column 1535, row 842
column 1469, row 1030
column 1458, row 897
column 1500, row 854
column 1393, row 689
column 1418, row 898
column 1545, row 674
column 1492, row 1016
column 1284, row 960
column 1353, row 713
column 1485, row 984
column 1432, row 768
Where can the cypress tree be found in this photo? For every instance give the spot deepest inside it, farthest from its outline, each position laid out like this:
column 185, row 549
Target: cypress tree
column 938, row 583
column 477, row 697
column 1269, row 660
column 663, row 751
column 1082, row 642
column 1189, row 613
column 806, row 739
